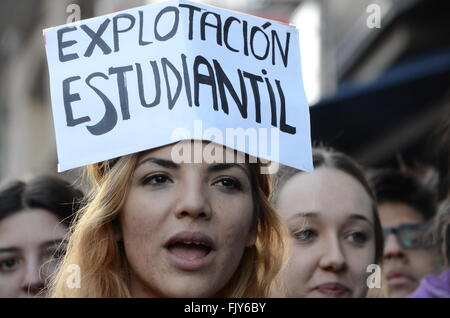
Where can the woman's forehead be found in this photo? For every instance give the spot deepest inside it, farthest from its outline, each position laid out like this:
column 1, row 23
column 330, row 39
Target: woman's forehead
column 319, row 192
column 197, row 151
column 31, row 227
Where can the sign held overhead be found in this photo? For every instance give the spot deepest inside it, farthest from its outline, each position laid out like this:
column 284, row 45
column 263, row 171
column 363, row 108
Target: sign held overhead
column 124, row 82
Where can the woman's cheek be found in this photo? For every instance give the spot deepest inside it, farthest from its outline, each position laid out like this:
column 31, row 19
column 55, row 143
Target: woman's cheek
column 298, row 270
column 364, row 256
column 143, row 212
column 10, row 285
column 232, row 210
column 359, row 260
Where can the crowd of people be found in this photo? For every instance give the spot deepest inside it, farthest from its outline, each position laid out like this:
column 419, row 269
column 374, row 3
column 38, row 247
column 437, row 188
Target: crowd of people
column 150, row 227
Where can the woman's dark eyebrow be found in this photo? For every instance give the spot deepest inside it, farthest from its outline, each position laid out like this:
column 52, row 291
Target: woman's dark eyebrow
column 212, row 168
column 160, row 162
column 9, row 249
column 224, row 166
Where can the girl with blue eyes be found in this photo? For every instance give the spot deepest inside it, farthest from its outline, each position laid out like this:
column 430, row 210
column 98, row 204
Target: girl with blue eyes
column 334, row 229
column 155, row 227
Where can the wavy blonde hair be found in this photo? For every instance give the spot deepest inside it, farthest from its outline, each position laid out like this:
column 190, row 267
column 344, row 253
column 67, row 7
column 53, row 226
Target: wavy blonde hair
column 104, row 268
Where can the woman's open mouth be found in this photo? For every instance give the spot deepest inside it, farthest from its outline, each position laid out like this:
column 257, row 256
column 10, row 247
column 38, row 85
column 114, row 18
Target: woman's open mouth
column 190, row 250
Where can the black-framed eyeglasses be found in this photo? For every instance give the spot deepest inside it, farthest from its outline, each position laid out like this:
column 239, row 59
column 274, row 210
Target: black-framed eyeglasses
column 409, row 236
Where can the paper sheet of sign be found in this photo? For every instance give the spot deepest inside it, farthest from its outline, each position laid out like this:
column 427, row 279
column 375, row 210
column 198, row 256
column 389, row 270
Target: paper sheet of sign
column 153, row 75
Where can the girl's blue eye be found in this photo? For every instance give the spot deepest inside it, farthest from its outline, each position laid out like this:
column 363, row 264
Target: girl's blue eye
column 9, row 265
column 358, row 237
column 305, row 235
column 229, row 183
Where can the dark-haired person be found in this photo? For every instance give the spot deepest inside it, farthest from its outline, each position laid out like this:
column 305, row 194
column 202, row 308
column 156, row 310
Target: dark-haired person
column 34, row 220
column 335, row 233
column 405, row 206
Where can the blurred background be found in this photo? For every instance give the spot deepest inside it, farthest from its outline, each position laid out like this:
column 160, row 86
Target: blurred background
column 376, row 74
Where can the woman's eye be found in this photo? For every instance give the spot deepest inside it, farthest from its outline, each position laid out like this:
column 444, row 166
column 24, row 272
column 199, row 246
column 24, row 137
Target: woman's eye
column 57, row 254
column 229, row 183
column 357, row 237
column 9, row 265
column 305, row 235
column 155, row 179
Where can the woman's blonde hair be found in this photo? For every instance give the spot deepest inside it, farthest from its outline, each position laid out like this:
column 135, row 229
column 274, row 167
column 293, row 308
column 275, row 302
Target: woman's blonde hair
column 104, row 270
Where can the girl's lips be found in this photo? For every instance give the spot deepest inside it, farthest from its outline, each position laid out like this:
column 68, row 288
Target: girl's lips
column 189, row 264
column 333, row 290
column 190, row 251
column 398, row 278
column 194, row 237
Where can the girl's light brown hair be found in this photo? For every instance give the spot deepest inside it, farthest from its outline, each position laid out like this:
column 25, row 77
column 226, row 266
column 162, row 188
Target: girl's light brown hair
column 103, row 266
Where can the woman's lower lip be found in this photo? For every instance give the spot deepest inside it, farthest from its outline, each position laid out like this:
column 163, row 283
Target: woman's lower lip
column 398, row 280
column 333, row 292
column 189, row 264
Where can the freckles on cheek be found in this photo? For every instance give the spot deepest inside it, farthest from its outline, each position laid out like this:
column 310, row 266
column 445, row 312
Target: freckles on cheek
column 234, row 233
column 136, row 226
column 140, row 244
column 234, row 216
column 142, row 212
column 230, row 234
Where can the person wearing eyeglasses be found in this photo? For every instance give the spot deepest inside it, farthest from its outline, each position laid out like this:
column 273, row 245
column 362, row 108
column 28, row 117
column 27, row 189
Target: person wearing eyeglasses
column 405, row 207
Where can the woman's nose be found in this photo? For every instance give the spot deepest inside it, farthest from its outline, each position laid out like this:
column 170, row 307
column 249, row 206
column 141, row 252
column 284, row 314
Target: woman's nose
column 392, row 248
column 193, row 201
column 333, row 257
column 32, row 282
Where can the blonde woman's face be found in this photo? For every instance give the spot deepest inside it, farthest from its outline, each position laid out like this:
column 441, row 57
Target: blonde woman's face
column 329, row 217
column 185, row 226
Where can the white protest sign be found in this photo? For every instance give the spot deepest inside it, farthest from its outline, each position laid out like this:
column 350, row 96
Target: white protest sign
column 132, row 80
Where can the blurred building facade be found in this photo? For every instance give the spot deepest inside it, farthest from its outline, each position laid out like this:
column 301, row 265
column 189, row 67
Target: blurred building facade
column 343, row 54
